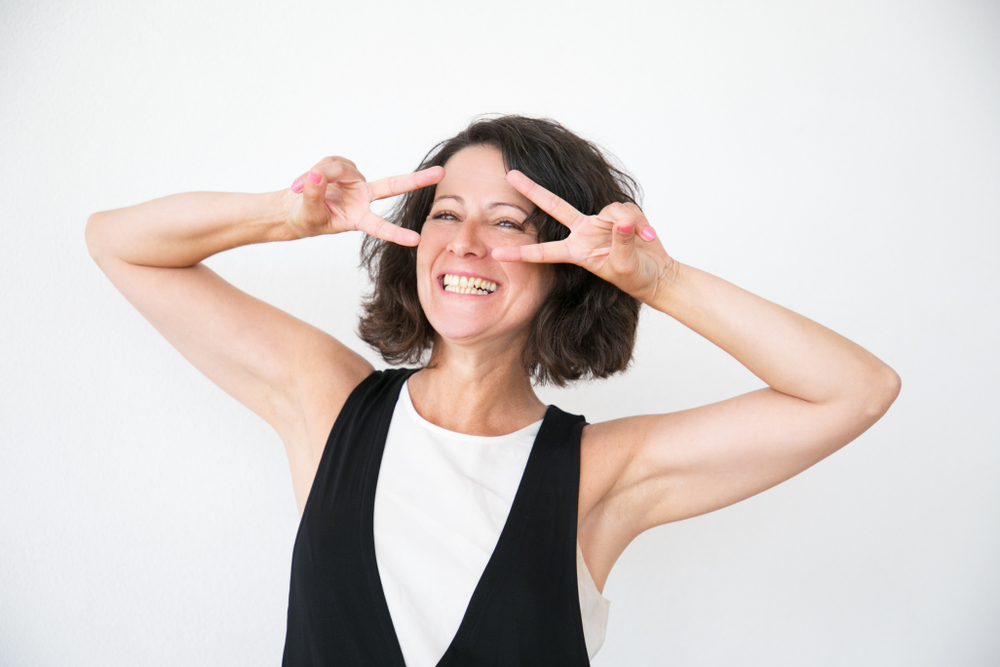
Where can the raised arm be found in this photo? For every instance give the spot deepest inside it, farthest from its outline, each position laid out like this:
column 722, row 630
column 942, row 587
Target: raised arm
column 639, row 472
column 291, row 374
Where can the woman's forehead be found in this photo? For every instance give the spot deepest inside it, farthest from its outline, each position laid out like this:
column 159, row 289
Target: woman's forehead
column 478, row 172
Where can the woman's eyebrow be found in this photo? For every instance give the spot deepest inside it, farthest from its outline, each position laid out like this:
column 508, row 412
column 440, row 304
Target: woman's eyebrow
column 488, row 208
column 503, row 203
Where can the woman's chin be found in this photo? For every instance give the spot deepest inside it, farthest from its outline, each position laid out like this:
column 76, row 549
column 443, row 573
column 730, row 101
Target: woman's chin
column 459, row 332
column 467, row 332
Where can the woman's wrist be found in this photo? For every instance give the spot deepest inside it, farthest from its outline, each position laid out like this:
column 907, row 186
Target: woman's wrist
column 243, row 219
column 281, row 206
column 667, row 293
column 271, row 217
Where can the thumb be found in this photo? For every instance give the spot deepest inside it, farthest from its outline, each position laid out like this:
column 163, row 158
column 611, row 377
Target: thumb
column 313, row 186
column 623, row 246
column 313, row 197
column 310, row 213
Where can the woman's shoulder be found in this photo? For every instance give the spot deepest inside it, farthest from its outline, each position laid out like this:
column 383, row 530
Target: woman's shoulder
column 606, row 449
column 321, row 391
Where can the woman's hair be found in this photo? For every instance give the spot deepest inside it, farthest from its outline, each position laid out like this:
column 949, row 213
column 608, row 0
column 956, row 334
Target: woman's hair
column 586, row 327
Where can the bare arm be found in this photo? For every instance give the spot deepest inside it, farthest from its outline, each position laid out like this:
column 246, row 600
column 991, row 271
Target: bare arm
column 639, row 472
column 291, row 374
column 823, row 391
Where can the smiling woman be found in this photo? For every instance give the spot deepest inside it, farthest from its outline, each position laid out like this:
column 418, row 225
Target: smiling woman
column 448, row 516
column 585, row 327
column 457, row 240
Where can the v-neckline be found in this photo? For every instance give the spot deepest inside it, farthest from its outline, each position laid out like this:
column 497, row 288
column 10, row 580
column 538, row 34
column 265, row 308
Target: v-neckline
column 494, row 566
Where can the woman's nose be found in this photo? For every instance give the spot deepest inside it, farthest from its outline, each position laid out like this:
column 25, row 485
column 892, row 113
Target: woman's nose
column 467, row 240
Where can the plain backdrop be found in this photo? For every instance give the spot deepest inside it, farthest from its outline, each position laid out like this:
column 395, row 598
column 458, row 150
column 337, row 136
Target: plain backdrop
column 841, row 158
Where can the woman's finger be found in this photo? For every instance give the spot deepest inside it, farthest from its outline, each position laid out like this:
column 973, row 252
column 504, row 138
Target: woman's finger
column 554, row 252
column 381, row 228
column 545, row 200
column 310, row 213
column 333, row 169
column 628, row 213
column 336, row 158
column 643, row 228
column 340, row 171
column 313, row 187
column 397, row 185
column 622, row 257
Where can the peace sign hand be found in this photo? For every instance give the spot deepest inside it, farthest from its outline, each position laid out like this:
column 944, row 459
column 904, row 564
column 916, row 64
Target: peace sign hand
column 336, row 198
column 605, row 244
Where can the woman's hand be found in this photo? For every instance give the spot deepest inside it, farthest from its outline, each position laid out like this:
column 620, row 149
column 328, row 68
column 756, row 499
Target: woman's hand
column 336, row 198
column 618, row 244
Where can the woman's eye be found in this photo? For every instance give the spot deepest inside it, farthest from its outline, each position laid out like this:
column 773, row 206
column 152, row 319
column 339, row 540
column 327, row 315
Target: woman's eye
column 510, row 224
column 444, row 215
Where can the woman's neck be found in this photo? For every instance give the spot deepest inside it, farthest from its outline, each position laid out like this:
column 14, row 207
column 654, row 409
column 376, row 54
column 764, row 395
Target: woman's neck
column 477, row 394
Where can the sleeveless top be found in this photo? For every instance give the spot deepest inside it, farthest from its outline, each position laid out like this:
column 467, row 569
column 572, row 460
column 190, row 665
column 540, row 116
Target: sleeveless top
column 441, row 501
column 525, row 610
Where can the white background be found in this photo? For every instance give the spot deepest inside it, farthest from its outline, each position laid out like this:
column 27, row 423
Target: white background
column 841, row 158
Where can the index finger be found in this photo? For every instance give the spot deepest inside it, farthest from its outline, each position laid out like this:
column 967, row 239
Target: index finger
column 397, row 185
column 378, row 227
column 553, row 252
column 545, row 200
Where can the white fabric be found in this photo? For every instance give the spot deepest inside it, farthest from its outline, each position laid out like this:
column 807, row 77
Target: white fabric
column 593, row 606
column 441, row 501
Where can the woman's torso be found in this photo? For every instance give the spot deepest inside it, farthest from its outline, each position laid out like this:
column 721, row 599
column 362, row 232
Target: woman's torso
column 441, row 502
column 525, row 608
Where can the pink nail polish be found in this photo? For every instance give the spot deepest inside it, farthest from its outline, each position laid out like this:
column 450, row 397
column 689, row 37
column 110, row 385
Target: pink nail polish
column 648, row 234
column 625, row 229
column 297, row 185
column 315, row 177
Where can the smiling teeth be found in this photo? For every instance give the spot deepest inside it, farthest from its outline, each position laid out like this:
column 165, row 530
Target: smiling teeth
column 467, row 285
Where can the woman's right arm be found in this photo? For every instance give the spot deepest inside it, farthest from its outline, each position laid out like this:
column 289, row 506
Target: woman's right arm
column 293, row 375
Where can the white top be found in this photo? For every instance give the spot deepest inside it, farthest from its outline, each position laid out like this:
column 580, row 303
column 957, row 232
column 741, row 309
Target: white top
column 441, row 500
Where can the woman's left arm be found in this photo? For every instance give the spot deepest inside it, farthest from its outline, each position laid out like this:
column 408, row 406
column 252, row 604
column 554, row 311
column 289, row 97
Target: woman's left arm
column 823, row 390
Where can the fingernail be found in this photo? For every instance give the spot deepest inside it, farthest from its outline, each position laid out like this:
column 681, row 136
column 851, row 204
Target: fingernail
column 314, row 176
column 625, row 229
column 647, row 234
column 297, row 185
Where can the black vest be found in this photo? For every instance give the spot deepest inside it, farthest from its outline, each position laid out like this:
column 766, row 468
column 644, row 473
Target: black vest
column 525, row 609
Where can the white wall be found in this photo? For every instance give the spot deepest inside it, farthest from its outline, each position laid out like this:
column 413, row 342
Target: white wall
column 840, row 158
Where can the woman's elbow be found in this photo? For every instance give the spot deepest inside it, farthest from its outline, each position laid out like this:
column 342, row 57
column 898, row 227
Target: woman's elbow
column 884, row 386
column 93, row 235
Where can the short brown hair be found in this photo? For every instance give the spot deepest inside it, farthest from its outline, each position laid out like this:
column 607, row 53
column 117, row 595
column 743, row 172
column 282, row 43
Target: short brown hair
column 586, row 327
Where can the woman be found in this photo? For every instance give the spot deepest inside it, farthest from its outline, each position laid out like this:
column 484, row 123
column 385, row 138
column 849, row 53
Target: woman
column 435, row 532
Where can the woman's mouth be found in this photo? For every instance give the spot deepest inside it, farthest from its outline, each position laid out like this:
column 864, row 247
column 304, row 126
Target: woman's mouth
column 467, row 285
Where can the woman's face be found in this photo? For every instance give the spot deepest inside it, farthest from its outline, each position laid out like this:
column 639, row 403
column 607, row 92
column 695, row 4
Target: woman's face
column 475, row 210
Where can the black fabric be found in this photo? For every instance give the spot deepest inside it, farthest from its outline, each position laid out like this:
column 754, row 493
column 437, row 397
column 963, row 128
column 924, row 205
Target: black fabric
column 525, row 609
